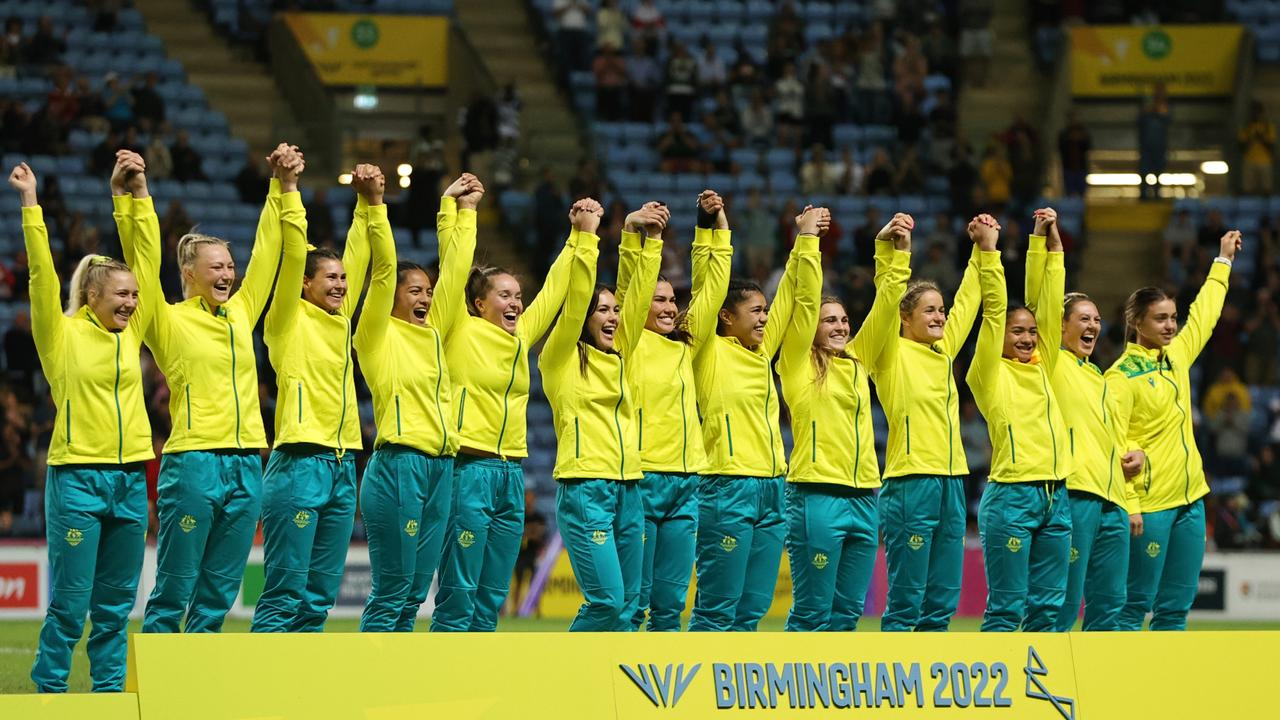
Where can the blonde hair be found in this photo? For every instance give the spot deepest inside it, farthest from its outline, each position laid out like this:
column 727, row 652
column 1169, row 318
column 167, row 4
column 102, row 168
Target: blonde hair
column 189, row 249
column 91, row 274
column 822, row 356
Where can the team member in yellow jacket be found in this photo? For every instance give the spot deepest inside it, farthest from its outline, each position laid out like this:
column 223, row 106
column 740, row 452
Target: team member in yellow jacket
column 95, row 489
column 211, row 473
column 832, row 521
column 740, row 522
column 408, row 484
column 671, row 452
column 1152, row 385
column 588, row 371
column 488, row 360
column 309, row 487
column 1024, row 519
column 922, row 504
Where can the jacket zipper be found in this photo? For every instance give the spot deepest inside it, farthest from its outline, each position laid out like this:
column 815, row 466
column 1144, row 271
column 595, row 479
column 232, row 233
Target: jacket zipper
column 507, row 394
column 950, row 430
column 768, row 395
column 857, row 431
column 444, row 427
column 640, row 423
column 235, row 390
column 399, row 431
column 299, row 402
column 684, row 421
column 1048, row 416
column 728, row 431
column 346, row 366
column 813, row 441
column 462, row 408
column 119, row 414
column 68, row 422
column 188, row 392
column 577, row 439
column 1013, row 447
column 908, row 434
column 622, row 445
column 1182, row 435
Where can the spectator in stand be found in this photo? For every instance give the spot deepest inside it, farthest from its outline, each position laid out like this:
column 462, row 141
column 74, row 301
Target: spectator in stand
column 909, row 71
column 938, row 266
column 1153, row 140
column 788, row 106
column 757, row 122
column 880, row 174
column 644, row 75
column 11, row 45
column 908, row 179
column 712, row 73
column 864, row 238
column 187, row 163
column 1232, row 528
column 130, row 140
column 147, row 103
column 611, row 26
column 821, row 103
column 1263, row 344
column 873, row 101
column 63, row 104
column 786, row 39
column 817, row 176
column 1225, row 349
column 103, row 157
column 92, row 110
column 610, row 70
column 1024, row 161
column 852, row 174
column 1213, row 223
column 321, row 231
column 744, row 76
column 1073, row 149
column 253, row 181
column 942, row 127
column 548, row 218
column 20, row 351
column 678, row 148
column 648, row 21
column 717, row 145
column 118, row 102
column 586, row 182
column 1226, row 385
column 158, row 158
column 975, row 39
column 571, row 18
column 939, row 48
column 1229, row 428
column 1258, row 145
column 726, row 115
column 1179, row 241
column 756, row 236
column 681, row 80
column 45, row 47
column 997, row 174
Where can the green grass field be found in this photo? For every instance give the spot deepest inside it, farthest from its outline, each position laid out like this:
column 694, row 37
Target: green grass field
column 18, row 642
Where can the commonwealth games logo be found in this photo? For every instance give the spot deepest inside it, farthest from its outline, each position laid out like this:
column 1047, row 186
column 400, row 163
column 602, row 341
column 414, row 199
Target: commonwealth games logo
column 1036, row 673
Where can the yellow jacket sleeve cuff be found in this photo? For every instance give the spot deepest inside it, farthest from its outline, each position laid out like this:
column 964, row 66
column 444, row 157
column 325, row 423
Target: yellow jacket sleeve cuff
column 806, row 243
column 587, row 240
column 652, row 246
column 901, row 259
column 274, row 187
column 121, row 203
column 988, row 258
column 466, row 218
column 703, row 237
column 448, row 204
column 723, row 238
column 361, row 203
column 143, row 206
column 1220, row 272
column 291, row 200
column 630, row 240
column 33, row 215
column 377, row 212
column 1036, row 243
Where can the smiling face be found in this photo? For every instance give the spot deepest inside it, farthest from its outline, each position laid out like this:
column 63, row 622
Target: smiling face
column 212, row 275
column 413, row 297
column 1020, row 335
column 602, row 323
column 746, row 319
column 833, row 328
column 1081, row 328
column 327, row 288
column 662, row 310
column 115, row 301
column 1159, row 325
column 503, row 303
column 927, row 320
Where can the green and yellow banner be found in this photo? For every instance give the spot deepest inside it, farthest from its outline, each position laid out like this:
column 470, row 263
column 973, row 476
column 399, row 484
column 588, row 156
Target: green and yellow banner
column 379, row 50
column 1126, row 61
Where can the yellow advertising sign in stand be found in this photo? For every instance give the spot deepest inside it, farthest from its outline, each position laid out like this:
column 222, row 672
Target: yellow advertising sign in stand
column 382, row 50
column 1126, row 61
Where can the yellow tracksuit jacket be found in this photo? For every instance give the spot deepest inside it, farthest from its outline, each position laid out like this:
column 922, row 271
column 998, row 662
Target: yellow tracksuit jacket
column 310, row 348
column 1028, row 436
column 665, row 394
column 207, row 358
column 917, row 389
column 827, row 415
column 94, row 374
column 1153, row 404
column 403, row 363
column 735, row 383
column 490, row 368
column 594, row 408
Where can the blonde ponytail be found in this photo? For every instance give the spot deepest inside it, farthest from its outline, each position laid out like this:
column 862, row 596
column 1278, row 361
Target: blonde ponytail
column 189, row 249
column 90, row 273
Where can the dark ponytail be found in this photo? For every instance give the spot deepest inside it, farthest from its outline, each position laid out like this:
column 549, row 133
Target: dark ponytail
column 1136, row 307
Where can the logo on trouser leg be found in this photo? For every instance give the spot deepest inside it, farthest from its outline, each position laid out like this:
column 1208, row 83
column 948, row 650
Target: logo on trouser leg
column 466, row 539
column 728, row 543
column 302, row 519
column 187, row 523
column 1013, row 545
column 1074, row 556
column 599, row 537
column 411, row 528
column 915, row 542
column 820, row 560
column 1153, row 550
column 74, row 537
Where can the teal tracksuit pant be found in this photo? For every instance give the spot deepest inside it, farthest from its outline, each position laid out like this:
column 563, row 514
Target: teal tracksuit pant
column 602, row 526
column 1099, row 563
column 1164, row 568
column 96, row 528
column 740, row 536
column 308, row 510
column 209, row 506
column 404, row 501
column 1026, row 542
column 670, row 545
column 923, row 521
column 486, row 523
column 832, row 535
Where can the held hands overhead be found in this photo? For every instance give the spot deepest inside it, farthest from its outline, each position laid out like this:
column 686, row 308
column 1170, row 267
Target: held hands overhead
column 585, row 215
column 985, row 231
column 369, row 181
column 710, row 203
column 651, row 218
column 23, row 180
column 898, row 229
column 813, row 221
column 467, row 190
column 1047, row 226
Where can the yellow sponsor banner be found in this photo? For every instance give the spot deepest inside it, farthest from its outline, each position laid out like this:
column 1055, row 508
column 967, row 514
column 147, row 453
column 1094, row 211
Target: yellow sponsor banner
column 1124, row 61
column 97, row 706
column 647, row 676
column 385, row 50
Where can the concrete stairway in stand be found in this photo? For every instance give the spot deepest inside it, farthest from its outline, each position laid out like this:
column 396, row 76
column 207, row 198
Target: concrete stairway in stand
column 1013, row 86
column 1124, row 250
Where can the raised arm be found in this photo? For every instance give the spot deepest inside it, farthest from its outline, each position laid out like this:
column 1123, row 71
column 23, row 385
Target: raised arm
column 562, row 341
column 984, row 371
column 536, row 319
column 456, row 220
column 45, row 290
column 293, row 261
column 643, row 282
column 355, row 256
column 964, row 308
column 1207, row 307
column 878, row 337
column 1046, row 303
column 264, row 259
column 369, row 183
column 629, row 246
column 805, row 297
column 141, row 242
column 713, row 263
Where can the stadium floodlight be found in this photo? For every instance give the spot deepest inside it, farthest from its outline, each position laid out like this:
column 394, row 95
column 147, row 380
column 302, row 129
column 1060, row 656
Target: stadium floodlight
column 404, row 170
column 1115, row 179
column 1183, row 179
column 405, row 181
column 1214, row 167
column 1151, row 178
column 344, row 179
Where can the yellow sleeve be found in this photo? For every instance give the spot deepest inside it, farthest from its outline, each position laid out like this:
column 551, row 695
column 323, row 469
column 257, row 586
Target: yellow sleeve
column 382, row 286
column 1115, row 403
column 877, row 340
column 143, row 242
column 449, row 299
column 44, row 288
column 293, row 262
column 264, row 259
column 805, row 303
column 628, row 258
column 122, row 213
column 536, row 319
column 355, row 256
column 634, row 313
column 964, row 308
column 1202, row 317
column 562, row 341
column 1037, row 256
column 1046, row 284
column 713, row 260
column 984, row 372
